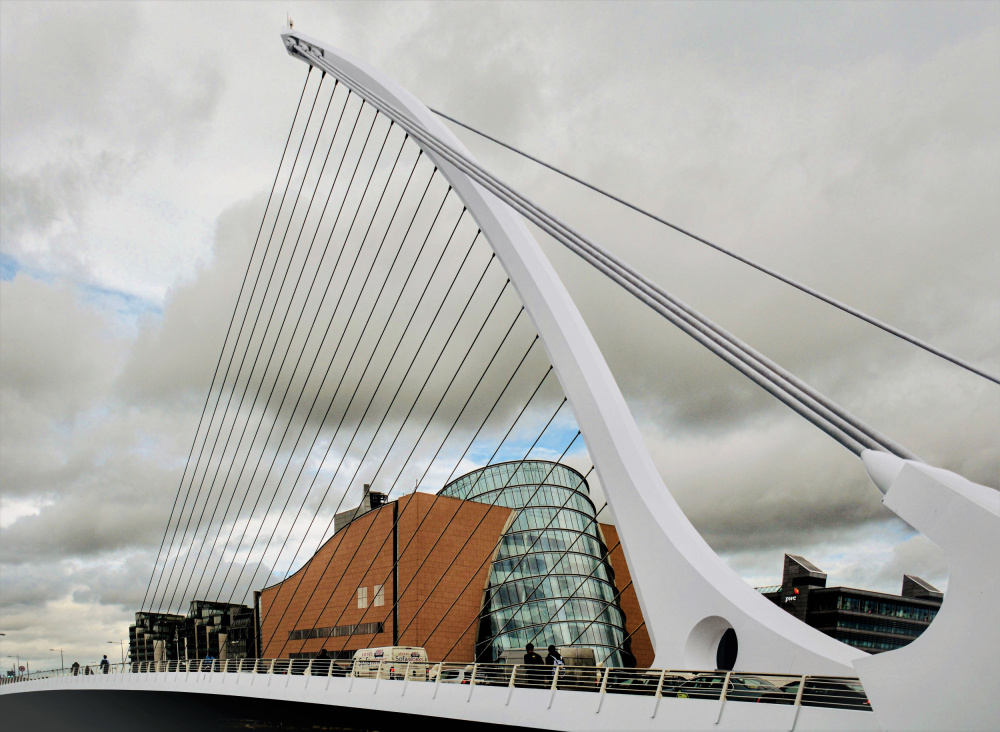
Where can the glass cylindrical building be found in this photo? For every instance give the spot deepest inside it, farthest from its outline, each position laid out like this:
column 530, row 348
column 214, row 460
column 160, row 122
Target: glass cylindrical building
column 551, row 581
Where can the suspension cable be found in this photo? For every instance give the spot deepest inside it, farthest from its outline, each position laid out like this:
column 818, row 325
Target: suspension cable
column 322, row 342
column 417, row 399
column 232, row 320
column 437, row 452
column 389, row 361
column 774, row 383
column 930, row 348
column 340, row 423
column 239, row 370
column 360, row 339
column 330, row 367
column 491, row 557
column 274, row 346
column 326, row 333
column 256, row 358
column 301, row 353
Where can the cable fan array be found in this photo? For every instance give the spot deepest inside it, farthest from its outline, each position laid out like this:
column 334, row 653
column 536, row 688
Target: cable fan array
column 375, row 341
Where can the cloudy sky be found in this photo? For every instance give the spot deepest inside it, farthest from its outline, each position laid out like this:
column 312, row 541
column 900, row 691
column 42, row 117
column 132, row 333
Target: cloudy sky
column 853, row 146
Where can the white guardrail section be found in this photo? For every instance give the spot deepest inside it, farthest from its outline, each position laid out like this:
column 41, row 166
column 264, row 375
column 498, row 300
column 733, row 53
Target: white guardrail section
column 836, row 692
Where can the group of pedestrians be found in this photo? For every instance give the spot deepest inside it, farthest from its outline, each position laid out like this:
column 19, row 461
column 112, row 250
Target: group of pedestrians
column 104, row 665
column 553, row 659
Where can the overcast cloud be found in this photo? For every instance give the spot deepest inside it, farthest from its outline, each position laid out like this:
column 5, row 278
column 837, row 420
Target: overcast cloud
column 853, row 146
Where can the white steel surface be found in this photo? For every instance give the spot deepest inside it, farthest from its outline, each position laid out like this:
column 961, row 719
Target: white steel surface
column 544, row 707
column 949, row 677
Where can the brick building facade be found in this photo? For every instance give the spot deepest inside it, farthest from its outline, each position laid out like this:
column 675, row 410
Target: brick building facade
column 436, row 555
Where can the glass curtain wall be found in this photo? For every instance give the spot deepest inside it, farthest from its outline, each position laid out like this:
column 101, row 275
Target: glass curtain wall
column 550, row 582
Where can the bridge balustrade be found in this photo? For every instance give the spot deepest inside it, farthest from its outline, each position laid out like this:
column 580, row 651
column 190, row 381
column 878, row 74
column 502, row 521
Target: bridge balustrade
column 822, row 691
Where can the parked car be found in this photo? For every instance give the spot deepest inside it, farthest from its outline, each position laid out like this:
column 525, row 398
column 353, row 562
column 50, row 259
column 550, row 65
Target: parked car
column 709, row 686
column 451, row 675
column 640, row 681
column 834, row 694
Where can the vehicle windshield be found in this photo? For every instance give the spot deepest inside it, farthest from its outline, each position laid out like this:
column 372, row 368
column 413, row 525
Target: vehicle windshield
column 754, row 683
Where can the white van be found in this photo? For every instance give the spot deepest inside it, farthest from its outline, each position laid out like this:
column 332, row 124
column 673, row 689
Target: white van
column 391, row 662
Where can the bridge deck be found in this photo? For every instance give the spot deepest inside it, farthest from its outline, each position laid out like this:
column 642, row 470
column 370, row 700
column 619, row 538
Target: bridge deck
column 168, row 695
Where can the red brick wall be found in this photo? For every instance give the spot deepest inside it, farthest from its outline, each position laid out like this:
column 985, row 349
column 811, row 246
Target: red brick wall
column 448, row 590
column 642, row 647
column 445, row 546
column 308, row 599
column 449, row 598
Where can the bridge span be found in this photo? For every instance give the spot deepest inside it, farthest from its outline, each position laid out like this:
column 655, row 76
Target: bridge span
column 452, row 694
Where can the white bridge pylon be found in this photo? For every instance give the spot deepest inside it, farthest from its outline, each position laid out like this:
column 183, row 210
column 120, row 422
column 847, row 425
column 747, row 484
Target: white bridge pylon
column 689, row 596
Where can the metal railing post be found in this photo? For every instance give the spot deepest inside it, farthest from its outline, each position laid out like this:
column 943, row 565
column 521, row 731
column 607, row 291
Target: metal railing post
column 354, row 674
column 472, row 681
column 659, row 692
column 378, row 675
column 406, row 677
column 722, row 696
column 604, row 689
column 798, row 702
column 555, row 683
column 510, row 686
column 270, row 671
column 437, row 679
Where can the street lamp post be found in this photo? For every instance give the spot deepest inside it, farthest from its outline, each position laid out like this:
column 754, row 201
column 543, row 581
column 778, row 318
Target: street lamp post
column 62, row 660
column 122, row 642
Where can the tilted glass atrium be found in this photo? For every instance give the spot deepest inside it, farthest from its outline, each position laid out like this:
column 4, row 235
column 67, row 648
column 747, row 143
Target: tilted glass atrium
column 550, row 582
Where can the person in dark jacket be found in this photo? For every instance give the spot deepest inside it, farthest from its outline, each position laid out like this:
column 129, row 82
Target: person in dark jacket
column 530, row 657
column 532, row 676
column 321, row 664
column 105, row 665
column 75, row 668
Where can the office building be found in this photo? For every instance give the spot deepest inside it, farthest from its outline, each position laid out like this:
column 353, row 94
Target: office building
column 504, row 555
column 217, row 629
column 872, row 621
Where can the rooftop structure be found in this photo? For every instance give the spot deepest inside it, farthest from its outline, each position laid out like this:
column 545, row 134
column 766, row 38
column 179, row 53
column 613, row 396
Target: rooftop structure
column 872, row 621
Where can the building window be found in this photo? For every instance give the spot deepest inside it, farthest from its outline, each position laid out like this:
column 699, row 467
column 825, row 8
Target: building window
column 362, row 597
column 379, row 600
column 336, row 632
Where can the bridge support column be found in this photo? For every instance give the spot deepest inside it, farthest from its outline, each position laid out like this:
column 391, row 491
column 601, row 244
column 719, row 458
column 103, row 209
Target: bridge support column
column 947, row 677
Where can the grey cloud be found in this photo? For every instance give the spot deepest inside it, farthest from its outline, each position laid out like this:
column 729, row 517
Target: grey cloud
column 917, row 556
column 55, row 349
column 174, row 356
column 32, row 586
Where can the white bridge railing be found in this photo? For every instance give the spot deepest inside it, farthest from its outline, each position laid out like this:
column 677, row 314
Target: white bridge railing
column 760, row 688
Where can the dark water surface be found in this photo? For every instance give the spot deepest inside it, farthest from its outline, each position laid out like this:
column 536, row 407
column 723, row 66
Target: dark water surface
column 153, row 711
